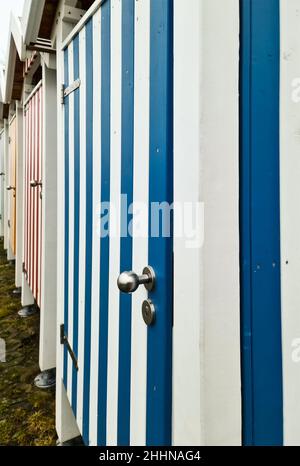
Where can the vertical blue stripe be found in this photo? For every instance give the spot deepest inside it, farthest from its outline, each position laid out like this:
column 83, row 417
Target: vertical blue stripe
column 66, row 219
column 89, row 228
column 76, row 218
column 126, row 240
column 260, row 224
column 159, row 351
column 105, row 198
column 245, row 223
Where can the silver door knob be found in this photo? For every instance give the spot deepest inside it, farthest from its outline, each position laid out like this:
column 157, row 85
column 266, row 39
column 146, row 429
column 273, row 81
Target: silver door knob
column 128, row 282
column 10, row 188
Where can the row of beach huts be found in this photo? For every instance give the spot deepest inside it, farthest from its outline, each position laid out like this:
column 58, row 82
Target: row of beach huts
column 185, row 333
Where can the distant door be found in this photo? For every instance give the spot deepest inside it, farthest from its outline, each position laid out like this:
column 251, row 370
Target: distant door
column 118, row 150
column 2, row 183
column 12, row 185
column 33, row 191
column 260, row 224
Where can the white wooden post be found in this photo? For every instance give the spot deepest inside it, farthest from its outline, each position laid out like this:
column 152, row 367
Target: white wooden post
column 66, row 425
column 206, row 335
column 47, row 354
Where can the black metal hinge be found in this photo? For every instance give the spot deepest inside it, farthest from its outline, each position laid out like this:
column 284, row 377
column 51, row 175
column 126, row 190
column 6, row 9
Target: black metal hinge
column 64, row 341
column 23, row 268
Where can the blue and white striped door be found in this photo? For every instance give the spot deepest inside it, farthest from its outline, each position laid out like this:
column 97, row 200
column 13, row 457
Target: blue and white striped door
column 118, row 163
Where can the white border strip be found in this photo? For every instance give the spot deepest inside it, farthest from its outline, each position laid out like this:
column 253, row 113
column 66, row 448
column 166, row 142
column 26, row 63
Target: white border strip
column 206, row 333
column 139, row 332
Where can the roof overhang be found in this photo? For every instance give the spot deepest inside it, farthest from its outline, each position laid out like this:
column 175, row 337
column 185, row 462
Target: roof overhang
column 2, row 82
column 1, row 105
column 16, row 53
column 33, row 32
column 33, row 12
column 4, row 108
column 39, row 16
column 37, row 23
column 16, row 33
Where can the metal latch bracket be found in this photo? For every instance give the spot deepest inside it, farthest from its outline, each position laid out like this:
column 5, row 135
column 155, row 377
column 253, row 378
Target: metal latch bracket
column 64, row 341
column 68, row 90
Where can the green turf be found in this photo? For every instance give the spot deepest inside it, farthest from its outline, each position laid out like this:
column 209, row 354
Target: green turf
column 26, row 413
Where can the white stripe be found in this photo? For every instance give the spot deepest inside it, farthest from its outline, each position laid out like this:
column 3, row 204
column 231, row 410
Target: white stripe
column 114, row 256
column 71, row 221
column 187, row 417
column 96, row 237
column 140, row 242
column 206, row 336
column 81, row 317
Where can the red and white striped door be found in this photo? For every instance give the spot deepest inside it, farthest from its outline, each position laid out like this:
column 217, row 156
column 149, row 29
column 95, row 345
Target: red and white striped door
column 33, row 191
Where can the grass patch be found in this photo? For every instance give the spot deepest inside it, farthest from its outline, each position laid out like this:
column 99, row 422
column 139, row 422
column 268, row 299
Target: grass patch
column 27, row 414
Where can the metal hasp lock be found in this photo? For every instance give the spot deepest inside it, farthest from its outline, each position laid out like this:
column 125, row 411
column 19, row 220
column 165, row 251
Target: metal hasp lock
column 148, row 312
column 12, row 188
column 128, row 282
column 35, row 183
